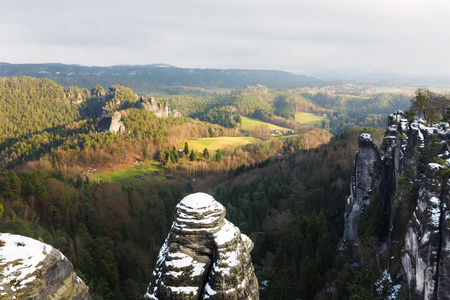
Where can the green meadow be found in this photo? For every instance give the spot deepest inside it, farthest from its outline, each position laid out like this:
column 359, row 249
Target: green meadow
column 127, row 173
column 309, row 119
column 248, row 123
column 223, row 142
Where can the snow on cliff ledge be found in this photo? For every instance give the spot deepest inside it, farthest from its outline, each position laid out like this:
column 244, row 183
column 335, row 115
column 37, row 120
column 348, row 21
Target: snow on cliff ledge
column 30, row 268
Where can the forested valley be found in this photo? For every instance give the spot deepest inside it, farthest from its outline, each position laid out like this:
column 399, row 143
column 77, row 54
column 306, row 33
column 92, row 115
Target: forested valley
column 287, row 191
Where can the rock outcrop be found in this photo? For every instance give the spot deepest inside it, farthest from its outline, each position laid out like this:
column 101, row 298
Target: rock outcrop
column 112, row 124
column 426, row 256
column 418, row 154
column 30, row 269
column 366, row 178
column 204, row 257
column 161, row 111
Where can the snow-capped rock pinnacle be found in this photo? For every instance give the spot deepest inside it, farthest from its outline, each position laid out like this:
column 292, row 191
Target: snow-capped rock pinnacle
column 204, row 257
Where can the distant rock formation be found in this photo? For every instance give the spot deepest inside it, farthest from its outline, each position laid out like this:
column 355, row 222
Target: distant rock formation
column 258, row 88
column 421, row 222
column 160, row 111
column 111, row 124
column 30, row 269
column 204, row 257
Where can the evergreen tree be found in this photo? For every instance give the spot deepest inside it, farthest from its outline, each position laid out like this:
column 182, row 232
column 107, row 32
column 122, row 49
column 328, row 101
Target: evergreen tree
column 218, row 156
column 205, row 153
column 192, row 157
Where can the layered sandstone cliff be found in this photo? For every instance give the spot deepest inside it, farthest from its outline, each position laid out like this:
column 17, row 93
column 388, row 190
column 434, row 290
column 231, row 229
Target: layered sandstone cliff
column 204, row 257
column 366, row 178
column 417, row 153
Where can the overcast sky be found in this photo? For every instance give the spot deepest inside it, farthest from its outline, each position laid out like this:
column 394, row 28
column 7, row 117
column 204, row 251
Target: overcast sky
column 299, row 36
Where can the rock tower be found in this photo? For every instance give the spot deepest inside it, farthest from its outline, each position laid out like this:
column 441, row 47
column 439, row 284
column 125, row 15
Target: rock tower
column 204, row 257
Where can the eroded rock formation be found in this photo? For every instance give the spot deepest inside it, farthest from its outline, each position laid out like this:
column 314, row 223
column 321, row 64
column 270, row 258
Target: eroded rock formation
column 204, row 257
column 161, row 111
column 424, row 255
column 112, row 123
column 423, row 198
column 366, row 178
column 30, row 269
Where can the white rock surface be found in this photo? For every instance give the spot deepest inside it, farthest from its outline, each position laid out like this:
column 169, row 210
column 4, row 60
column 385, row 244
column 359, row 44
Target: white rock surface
column 30, row 269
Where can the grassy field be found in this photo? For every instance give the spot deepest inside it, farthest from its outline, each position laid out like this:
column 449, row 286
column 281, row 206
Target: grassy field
column 127, row 173
column 248, row 123
column 223, row 142
column 309, row 119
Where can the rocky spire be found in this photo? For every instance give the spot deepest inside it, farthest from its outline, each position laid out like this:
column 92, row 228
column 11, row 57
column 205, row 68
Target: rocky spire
column 418, row 153
column 365, row 179
column 204, row 257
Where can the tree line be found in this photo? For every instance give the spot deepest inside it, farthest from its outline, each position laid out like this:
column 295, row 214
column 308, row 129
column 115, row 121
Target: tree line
column 430, row 106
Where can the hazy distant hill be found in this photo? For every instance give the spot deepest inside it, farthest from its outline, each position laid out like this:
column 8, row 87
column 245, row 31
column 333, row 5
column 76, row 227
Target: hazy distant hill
column 155, row 75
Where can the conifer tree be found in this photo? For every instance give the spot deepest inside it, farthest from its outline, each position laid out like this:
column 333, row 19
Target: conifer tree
column 218, row 156
column 205, row 153
column 192, row 157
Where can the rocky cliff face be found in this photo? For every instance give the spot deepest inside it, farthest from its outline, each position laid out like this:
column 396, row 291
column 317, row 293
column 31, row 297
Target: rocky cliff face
column 204, row 257
column 30, row 269
column 426, row 256
column 366, row 178
column 112, row 124
column 416, row 153
column 161, row 111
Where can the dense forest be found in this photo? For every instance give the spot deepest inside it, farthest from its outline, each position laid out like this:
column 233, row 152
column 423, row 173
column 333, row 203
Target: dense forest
column 159, row 77
column 62, row 123
column 353, row 110
column 278, row 107
column 287, row 193
column 291, row 206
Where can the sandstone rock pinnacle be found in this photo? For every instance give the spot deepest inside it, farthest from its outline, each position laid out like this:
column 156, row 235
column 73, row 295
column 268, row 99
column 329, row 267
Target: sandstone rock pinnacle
column 204, row 257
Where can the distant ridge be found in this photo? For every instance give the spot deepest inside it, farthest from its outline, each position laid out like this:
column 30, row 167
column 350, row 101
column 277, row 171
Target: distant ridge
column 155, row 74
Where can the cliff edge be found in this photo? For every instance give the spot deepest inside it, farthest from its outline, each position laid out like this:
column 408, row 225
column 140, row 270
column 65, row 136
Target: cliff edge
column 30, row 269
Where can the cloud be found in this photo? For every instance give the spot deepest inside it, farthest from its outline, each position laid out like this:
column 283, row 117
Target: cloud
column 298, row 36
